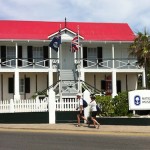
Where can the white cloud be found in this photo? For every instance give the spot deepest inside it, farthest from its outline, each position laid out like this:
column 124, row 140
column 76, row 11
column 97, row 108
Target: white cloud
column 135, row 13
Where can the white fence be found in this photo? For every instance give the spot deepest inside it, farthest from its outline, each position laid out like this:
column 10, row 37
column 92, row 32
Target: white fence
column 67, row 104
column 28, row 105
column 37, row 105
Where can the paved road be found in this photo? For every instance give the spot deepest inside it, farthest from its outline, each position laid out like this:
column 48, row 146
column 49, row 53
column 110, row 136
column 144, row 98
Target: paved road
column 20, row 140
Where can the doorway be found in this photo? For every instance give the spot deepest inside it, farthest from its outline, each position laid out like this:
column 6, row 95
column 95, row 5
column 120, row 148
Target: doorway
column 66, row 57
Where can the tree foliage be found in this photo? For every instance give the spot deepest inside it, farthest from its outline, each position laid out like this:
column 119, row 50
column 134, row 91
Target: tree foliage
column 140, row 48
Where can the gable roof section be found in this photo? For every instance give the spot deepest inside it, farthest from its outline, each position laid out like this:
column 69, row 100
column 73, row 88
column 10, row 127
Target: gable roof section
column 65, row 30
column 40, row 30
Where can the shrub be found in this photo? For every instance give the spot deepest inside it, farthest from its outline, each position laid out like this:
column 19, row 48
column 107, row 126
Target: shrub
column 105, row 103
column 120, row 103
column 117, row 106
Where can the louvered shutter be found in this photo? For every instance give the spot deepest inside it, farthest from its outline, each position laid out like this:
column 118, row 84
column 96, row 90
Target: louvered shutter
column 84, row 56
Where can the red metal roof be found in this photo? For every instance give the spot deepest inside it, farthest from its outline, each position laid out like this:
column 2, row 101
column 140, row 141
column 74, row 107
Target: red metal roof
column 40, row 30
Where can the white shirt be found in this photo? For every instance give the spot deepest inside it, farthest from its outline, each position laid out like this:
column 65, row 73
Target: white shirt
column 81, row 101
column 93, row 105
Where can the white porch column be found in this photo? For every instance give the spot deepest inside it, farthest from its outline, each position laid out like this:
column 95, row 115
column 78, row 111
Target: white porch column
column 81, row 57
column 143, row 79
column 50, row 78
column 58, row 57
column 114, row 86
column 86, row 97
column 16, row 55
column 52, row 107
column 16, row 90
column 81, row 78
column 113, row 56
column 75, row 57
column 50, row 56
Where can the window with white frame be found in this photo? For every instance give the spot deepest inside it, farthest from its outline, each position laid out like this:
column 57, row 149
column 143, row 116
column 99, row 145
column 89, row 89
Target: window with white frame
column 22, row 86
column 11, row 55
column 38, row 54
column 92, row 56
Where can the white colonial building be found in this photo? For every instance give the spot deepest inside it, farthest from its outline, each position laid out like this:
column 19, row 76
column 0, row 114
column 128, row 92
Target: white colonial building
column 28, row 65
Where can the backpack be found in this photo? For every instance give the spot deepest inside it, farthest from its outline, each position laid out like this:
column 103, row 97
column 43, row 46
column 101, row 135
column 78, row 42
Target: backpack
column 98, row 109
column 85, row 104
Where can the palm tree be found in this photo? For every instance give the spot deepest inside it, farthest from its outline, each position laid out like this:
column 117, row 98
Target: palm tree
column 140, row 48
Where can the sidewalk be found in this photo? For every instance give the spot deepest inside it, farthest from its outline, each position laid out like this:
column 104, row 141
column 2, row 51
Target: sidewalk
column 72, row 127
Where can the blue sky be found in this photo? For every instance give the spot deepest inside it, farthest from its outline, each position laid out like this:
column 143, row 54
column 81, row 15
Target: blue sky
column 134, row 12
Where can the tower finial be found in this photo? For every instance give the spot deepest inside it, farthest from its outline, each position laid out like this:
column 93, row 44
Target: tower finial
column 65, row 24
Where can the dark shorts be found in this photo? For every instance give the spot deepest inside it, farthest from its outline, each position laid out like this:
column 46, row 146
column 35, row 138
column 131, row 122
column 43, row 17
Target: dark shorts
column 82, row 114
column 94, row 113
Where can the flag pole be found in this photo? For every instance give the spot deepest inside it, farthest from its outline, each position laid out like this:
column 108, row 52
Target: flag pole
column 78, row 33
column 79, row 84
column 78, row 40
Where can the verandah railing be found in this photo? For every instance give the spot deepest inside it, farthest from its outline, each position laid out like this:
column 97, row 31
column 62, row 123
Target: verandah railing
column 29, row 63
column 108, row 63
column 103, row 63
column 34, row 105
